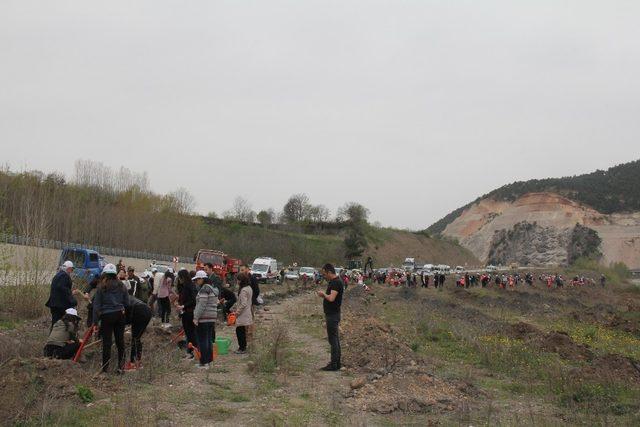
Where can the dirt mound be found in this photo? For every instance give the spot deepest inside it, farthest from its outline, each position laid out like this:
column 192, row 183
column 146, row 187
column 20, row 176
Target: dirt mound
column 521, row 330
column 369, row 346
column 407, row 392
column 464, row 294
column 612, row 367
column 389, row 375
column 607, row 317
column 554, row 342
column 561, row 343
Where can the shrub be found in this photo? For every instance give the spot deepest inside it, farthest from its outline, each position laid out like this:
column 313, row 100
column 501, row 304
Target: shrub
column 85, row 394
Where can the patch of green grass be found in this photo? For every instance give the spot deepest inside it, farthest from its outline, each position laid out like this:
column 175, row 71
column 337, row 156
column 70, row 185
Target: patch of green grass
column 7, row 324
column 85, row 394
column 601, row 338
column 214, row 412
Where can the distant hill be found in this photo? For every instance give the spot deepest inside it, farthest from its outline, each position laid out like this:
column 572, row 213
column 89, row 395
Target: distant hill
column 612, row 191
column 538, row 221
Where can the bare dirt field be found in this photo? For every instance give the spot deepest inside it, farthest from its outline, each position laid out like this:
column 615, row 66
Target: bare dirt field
column 529, row 356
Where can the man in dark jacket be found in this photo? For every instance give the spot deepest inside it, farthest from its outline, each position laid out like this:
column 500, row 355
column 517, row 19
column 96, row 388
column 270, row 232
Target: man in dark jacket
column 227, row 297
column 61, row 295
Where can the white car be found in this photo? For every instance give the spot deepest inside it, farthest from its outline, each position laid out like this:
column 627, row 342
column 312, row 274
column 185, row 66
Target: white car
column 291, row 275
column 160, row 268
column 310, row 272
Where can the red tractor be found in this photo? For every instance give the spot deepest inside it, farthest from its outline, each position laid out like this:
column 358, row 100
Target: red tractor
column 223, row 264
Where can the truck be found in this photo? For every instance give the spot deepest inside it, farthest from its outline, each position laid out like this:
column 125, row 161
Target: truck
column 88, row 264
column 409, row 264
column 228, row 267
column 265, row 269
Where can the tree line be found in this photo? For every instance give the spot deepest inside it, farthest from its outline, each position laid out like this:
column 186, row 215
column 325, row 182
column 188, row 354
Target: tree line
column 116, row 208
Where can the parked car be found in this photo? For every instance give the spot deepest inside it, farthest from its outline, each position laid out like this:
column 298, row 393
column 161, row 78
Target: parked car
column 291, row 275
column 88, row 263
column 160, row 267
column 308, row 272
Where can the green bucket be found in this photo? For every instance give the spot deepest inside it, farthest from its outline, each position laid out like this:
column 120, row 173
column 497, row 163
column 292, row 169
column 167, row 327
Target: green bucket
column 222, row 345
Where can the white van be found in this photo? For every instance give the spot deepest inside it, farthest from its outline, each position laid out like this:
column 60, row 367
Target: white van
column 265, row 269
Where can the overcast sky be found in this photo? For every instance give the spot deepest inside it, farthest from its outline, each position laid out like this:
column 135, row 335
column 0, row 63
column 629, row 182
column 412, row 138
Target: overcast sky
column 411, row 108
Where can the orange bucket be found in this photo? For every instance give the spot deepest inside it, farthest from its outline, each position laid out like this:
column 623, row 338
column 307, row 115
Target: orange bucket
column 231, row 319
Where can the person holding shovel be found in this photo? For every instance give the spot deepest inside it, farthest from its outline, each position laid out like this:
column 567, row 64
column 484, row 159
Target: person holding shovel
column 63, row 340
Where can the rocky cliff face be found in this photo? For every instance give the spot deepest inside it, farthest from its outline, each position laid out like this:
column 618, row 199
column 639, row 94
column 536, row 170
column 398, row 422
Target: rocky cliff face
column 489, row 228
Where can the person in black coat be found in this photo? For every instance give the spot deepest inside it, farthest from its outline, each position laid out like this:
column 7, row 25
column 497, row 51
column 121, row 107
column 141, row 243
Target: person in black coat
column 137, row 314
column 61, row 295
column 187, row 292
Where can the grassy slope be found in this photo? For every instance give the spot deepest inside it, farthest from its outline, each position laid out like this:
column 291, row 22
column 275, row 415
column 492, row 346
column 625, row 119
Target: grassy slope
column 386, row 246
column 464, row 335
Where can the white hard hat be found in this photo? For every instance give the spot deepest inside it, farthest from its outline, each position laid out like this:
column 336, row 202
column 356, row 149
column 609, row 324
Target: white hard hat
column 200, row 275
column 72, row 311
column 67, row 264
column 110, row 269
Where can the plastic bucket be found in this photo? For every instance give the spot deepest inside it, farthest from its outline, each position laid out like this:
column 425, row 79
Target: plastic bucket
column 222, row 345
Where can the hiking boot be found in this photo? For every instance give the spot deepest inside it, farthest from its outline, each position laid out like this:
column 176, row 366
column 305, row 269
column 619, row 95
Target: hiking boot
column 240, row 351
column 206, row 366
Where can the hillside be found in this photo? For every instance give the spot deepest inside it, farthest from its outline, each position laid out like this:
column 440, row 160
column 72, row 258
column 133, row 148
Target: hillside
column 607, row 202
column 126, row 214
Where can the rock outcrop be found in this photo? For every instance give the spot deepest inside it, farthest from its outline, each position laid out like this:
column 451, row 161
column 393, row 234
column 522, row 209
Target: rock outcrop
column 539, row 227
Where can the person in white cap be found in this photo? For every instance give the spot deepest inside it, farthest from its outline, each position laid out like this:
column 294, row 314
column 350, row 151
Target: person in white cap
column 61, row 295
column 109, row 305
column 63, row 339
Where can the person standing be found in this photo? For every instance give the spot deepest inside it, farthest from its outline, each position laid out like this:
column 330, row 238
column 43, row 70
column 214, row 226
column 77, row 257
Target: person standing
column 255, row 293
column 603, row 280
column 134, row 281
column 331, row 304
column 227, row 297
column 204, row 317
column 109, row 305
column 61, row 295
column 244, row 315
column 162, row 293
column 187, row 303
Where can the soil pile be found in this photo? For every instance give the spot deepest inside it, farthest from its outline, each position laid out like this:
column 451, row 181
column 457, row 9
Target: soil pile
column 612, row 367
column 553, row 342
column 389, row 375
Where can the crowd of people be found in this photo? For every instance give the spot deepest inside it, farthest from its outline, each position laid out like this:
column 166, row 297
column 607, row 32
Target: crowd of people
column 118, row 297
column 426, row 279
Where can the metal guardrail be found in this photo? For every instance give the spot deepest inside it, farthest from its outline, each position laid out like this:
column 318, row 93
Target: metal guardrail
column 102, row 250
